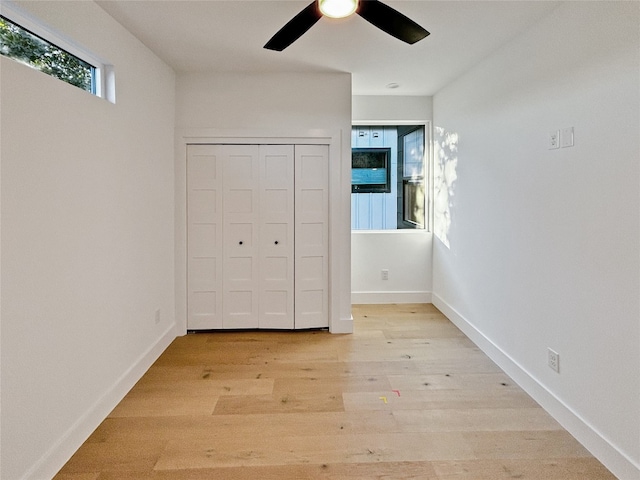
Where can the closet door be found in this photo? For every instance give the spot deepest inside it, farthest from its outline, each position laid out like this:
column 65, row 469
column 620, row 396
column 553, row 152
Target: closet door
column 276, row 237
column 204, row 237
column 311, row 236
column 257, row 236
column 241, row 236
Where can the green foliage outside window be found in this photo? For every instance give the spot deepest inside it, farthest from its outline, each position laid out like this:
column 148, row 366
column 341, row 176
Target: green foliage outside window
column 25, row 47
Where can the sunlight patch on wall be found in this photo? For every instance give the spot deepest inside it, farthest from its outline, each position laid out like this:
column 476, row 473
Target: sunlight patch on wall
column 445, row 164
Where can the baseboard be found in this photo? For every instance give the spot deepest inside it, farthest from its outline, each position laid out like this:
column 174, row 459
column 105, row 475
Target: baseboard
column 344, row 325
column 611, row 457
column 55, row 458
column 390, row 297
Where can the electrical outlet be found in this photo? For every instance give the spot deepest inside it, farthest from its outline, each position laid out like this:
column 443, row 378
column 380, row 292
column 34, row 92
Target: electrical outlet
column 384, row 274
column 157, row 317
column 554, row 360
column 554, row 140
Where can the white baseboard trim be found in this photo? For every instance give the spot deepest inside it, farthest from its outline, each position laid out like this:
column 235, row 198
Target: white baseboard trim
column 620, row 464
column 390, row 297
column 55, row 458
column 344, row 325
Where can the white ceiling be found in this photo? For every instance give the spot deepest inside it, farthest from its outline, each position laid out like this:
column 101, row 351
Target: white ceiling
column 228, row 36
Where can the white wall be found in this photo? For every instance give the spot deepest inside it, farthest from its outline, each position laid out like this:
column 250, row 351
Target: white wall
column 544, row 244
column 390, row 108
column 407, row 257
column 406, row 254
column 87, row 240
column 272, row 107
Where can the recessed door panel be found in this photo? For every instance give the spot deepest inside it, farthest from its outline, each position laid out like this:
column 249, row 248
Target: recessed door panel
column 277, row 233
column 311, row 234
column 203, row 240
column 203, row 308
column 278, row 200
column 239, row 166
column 203, row 206
column 240, row 237
column 241, row 269
column 239, row 200
column 276, row 268
column 203, row 274
column 313, row 301
column 311, row 269
column 277, row 167
column 240, row 303
column 202, row 171
column 275, row 302
column 313, row 200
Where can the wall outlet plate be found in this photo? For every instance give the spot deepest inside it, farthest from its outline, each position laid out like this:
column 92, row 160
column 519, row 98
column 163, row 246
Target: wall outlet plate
column 553, row 141
column 553, row 359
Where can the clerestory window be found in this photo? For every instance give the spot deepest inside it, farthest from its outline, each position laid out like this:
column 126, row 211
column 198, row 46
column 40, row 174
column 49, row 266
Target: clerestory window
column 32, row 50
column 25, row 40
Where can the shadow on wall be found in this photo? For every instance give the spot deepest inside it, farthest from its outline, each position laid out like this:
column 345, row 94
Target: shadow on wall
column 444, row 177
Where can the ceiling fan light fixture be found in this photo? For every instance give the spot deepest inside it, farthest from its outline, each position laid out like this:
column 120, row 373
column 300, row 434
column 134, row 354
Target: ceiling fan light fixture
column 338, row 8
column 375, row 12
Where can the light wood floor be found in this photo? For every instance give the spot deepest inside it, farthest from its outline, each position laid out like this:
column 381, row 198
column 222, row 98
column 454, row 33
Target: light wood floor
column 407, row 396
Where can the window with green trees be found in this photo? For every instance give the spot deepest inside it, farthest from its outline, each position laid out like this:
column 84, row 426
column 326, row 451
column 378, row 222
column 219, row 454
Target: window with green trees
column 23, row 46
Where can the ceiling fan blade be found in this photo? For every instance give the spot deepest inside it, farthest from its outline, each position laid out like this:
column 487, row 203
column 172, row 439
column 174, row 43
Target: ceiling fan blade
column 295, row 28
column 391, row 21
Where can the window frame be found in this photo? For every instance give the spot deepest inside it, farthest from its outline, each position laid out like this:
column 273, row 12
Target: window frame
column 428, row 174
column 104, row 74
column 372, row 187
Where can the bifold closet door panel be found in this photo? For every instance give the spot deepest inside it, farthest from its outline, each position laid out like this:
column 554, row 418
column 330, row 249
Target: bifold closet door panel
column 311, row 236
column 241, row 236
column 276, row 236
column 204, row 237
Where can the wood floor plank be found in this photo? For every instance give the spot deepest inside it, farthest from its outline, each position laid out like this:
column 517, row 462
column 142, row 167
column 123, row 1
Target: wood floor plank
column 275, row 425
column 203, row 387
column 525, row 444
column 406, row 396
column 152, row 406
column 263, row 450
column 320, row 384
column 78, row 476
column 323, row 471
column 450, row 381
column 473, row 420
column 119, row 457
column 437, row 400
column 282, row 403
column 538, row 469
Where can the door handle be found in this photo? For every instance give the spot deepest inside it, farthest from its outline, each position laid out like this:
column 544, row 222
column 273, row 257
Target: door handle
column 240, row 242
column 276, row 242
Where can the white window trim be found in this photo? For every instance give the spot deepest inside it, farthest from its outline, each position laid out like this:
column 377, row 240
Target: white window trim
column 104, row 72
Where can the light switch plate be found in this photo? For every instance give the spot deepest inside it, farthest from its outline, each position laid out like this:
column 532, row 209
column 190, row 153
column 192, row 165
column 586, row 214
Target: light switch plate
column 566, row 137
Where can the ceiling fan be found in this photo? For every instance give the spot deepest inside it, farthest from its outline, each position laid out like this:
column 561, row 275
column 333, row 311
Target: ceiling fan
column 375, row 12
